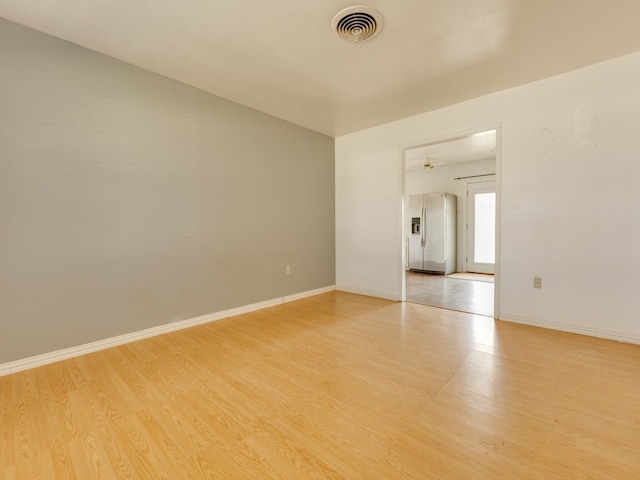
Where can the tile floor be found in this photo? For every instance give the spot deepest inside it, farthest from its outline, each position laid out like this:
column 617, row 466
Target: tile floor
column 451, row 293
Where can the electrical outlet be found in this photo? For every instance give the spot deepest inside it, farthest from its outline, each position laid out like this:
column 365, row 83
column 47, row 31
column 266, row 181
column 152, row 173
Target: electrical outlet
column 537, row 282
column 287, row 269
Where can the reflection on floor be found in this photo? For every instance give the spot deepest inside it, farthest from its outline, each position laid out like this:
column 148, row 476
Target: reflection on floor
column 453, row 293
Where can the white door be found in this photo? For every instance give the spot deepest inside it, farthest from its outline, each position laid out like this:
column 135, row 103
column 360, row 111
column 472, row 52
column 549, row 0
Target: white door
column 481, row 227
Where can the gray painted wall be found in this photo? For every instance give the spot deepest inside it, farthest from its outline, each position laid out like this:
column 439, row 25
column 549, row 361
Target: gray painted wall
column 128, row 200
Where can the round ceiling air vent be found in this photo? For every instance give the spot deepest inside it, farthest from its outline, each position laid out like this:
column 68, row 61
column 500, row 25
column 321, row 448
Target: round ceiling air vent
column 358, row 23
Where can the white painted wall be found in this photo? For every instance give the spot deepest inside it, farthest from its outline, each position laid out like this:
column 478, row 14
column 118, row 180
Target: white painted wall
column 569, row 205
column 130, row 202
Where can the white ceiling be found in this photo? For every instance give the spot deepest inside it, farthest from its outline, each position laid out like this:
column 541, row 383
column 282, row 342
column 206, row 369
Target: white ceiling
column 470, row 148
column 281, row 56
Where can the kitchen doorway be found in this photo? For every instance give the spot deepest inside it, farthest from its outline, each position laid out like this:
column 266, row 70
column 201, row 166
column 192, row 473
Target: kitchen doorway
column 465, row 166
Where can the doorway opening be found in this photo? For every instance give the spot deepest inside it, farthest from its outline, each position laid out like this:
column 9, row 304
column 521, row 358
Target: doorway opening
column 465, row 168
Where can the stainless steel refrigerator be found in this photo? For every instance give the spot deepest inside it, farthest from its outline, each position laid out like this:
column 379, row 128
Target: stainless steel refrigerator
column 431, row 246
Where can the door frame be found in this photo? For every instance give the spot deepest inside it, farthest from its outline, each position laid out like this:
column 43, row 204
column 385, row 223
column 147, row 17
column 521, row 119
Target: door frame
column 403, row 208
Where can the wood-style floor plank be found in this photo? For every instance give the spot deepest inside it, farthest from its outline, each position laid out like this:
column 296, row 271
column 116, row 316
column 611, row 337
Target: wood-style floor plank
column 337, row 386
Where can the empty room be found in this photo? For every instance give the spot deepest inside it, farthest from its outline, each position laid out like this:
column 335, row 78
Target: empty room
column 209, row 213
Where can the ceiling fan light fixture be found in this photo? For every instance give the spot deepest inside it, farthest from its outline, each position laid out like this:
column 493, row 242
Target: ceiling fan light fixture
column 358, row 24
column 428, row 163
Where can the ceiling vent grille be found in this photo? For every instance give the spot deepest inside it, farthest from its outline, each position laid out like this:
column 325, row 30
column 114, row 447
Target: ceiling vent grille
column 357, row 24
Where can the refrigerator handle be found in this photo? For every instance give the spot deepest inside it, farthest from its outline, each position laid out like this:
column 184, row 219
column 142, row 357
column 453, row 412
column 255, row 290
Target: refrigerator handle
column 406, row 254
column 423, row 230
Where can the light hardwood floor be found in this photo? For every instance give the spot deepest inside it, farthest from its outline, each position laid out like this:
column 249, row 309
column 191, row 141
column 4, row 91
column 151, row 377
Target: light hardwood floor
column 336, row 386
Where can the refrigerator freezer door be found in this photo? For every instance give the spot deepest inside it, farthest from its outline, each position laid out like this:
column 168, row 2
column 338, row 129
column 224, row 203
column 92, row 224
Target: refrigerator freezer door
column 415, row 235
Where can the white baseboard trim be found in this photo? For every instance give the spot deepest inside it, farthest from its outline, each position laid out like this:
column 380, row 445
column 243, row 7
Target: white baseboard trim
column 71, row 352
column 620, row 337
column 569, row 328
column 368, row 293
column 310, row 293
